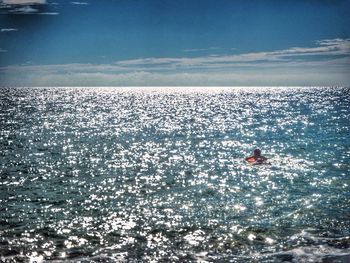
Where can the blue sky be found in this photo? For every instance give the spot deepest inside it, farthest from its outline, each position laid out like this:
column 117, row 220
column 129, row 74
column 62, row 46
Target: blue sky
column 174, row 43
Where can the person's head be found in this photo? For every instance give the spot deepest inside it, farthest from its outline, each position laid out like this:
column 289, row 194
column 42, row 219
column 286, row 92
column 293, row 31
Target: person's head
column 257, row 152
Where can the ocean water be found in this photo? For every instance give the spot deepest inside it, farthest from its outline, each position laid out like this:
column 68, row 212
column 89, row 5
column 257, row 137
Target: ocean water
column 157, row 175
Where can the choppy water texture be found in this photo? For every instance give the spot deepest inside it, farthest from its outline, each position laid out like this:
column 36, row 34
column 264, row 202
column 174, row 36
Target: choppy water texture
column 157, row 175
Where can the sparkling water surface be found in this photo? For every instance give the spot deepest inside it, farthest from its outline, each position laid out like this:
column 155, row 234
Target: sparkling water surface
column 158, row 175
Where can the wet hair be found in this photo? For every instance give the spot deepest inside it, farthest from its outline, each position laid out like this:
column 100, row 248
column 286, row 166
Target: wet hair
column 257, row 151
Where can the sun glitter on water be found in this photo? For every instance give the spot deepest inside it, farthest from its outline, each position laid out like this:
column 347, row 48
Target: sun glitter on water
column 154, row 174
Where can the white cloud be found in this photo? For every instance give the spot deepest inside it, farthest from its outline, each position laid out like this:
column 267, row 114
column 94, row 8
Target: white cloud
column 79, row 3
column 8, row 30
column 325, row 48
column 330, row 47
column 327, row 64
column 28, row 10
column 263, row 78
column 48, row 13
column 201, row 49
column 24, row 10
column 23, row 2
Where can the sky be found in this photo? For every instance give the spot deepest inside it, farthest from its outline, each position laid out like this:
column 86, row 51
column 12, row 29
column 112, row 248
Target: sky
column 175, row 43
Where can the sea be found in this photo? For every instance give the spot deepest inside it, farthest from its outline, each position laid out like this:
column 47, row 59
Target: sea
column 157, row 174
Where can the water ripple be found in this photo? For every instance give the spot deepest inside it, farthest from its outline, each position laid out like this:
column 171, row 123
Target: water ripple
column 151, row 174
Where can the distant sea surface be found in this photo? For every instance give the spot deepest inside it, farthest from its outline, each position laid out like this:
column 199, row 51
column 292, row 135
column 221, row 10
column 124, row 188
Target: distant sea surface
column 158, row 175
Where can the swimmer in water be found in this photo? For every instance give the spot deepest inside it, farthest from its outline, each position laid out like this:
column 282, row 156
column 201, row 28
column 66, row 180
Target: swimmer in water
column 257, row 158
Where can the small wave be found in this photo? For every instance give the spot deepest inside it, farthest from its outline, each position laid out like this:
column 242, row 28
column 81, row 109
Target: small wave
column 321, row 253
